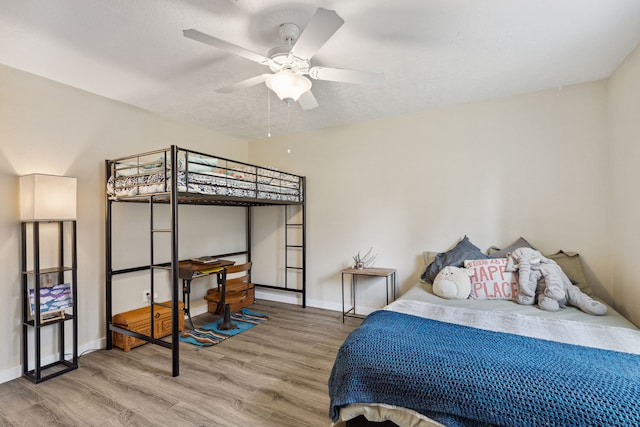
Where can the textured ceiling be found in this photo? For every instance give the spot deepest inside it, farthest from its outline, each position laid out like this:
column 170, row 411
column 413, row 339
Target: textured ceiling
column 433, row 53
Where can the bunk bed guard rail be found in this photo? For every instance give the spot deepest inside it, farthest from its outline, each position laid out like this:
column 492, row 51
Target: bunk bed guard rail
column 199, row 175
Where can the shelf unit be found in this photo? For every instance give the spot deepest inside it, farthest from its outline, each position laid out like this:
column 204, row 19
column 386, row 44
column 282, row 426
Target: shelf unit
column 65, row 358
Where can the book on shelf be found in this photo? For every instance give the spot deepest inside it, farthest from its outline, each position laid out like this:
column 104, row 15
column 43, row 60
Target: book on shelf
column 205, row 260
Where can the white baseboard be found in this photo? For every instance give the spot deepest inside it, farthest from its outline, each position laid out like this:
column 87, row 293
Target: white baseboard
column 16, row 372
column 10, row 374
column 290, row 298
column 196, row 309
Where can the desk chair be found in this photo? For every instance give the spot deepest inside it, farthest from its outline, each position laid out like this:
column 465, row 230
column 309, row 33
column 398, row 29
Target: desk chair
column 232, row 293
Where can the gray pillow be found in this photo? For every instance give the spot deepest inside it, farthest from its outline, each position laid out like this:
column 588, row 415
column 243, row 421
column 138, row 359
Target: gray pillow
column 455, row 257
column 571, row 265
column 502, row 253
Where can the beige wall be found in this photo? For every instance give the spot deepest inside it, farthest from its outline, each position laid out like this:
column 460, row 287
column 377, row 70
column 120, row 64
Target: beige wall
column 624, row 204
column 530, row 165
column 50, row 128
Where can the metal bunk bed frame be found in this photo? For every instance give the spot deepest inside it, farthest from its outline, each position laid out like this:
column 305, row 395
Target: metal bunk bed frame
column 173, row 197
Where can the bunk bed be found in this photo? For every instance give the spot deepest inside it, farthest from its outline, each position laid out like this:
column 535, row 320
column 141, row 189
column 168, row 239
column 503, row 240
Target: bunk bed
column 176, row 176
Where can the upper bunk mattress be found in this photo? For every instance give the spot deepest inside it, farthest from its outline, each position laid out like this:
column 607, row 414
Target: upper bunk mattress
column 197, row 173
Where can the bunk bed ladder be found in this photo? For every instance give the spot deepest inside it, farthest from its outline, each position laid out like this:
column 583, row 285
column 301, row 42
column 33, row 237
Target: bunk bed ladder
column 295, row 242
column 170, row 193
column 171, row 267
column 153, row 267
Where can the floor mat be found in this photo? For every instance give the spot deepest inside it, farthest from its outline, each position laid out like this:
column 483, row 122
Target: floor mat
column 211, row 334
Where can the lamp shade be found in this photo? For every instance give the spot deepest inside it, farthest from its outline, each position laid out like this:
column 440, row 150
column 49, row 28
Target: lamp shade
column 288, row 85
column 47, row 197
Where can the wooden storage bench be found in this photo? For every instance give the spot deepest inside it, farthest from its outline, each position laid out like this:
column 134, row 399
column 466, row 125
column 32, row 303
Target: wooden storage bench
column 237, row 298
column 139, row 320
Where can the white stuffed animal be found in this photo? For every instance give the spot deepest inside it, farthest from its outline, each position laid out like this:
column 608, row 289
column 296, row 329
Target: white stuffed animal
column 452, row 283
column 542, row 280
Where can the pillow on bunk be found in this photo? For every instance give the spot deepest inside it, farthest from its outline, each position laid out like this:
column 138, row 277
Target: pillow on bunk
column 198, row 168
column 201, row 164
column 495, row 252
column 463, row 250
column 126, row 169
column 137, row 168
column 203, row 160
column 571, row 264
column 489, row 280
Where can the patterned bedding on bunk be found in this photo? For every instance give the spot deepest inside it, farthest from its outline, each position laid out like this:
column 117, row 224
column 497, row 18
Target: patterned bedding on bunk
column 200, row 178
column 464, row 376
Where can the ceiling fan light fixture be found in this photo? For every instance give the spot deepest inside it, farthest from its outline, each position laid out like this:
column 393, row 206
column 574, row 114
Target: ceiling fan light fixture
column 287, row 85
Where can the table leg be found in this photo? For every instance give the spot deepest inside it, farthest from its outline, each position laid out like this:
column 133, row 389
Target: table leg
column 186, row 298
column 387, row 288
column 226, row 323
column 354, row 279
column 342, row 297
column 393, row 283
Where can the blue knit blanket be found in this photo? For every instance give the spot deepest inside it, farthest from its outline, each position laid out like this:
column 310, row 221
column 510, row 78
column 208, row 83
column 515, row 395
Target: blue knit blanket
column 465, row 376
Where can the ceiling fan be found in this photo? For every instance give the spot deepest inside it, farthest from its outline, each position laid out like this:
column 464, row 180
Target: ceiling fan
column 291, row 62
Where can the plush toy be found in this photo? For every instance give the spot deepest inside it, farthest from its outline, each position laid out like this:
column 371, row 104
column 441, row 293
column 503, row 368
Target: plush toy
column 452, row 283
column 542, row 279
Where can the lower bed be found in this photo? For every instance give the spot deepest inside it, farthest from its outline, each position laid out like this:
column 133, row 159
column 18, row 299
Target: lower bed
column 427, row 361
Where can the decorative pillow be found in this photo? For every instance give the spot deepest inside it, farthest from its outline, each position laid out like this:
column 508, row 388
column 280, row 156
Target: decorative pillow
column 489, row 280
column 198, row 168
column 198, row 163
column 452, row 283
column 142, row 167
column 464, row 249
column 571, row 264
column 502, row 253
column 429, row 256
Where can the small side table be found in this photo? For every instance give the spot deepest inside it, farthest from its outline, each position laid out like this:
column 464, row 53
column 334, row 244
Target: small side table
column 388, row 273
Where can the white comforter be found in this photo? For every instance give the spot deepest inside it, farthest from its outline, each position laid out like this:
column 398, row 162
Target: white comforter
column 567, row 331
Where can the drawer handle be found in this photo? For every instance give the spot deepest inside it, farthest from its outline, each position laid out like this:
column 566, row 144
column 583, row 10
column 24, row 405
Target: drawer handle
column 157, row 315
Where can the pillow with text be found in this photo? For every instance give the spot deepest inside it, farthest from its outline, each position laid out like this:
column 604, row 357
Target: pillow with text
column 489, row 280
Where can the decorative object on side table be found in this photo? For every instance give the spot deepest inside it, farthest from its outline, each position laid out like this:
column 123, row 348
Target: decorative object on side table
column 365, row 261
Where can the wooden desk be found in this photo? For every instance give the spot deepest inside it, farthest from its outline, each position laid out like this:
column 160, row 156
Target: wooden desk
column 191, row 270
column 388, row 273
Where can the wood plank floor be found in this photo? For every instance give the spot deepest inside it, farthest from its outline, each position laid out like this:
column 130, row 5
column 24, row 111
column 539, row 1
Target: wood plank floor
column 274, row 374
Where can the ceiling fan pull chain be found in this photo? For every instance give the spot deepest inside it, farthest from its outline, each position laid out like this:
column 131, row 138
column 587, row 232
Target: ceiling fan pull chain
column 268, row 113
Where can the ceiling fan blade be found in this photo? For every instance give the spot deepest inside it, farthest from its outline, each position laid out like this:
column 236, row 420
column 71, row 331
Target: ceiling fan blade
column 244, row 84
column 307, row 101
column 319, row 30
column 229, row 47
column 346, row 76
